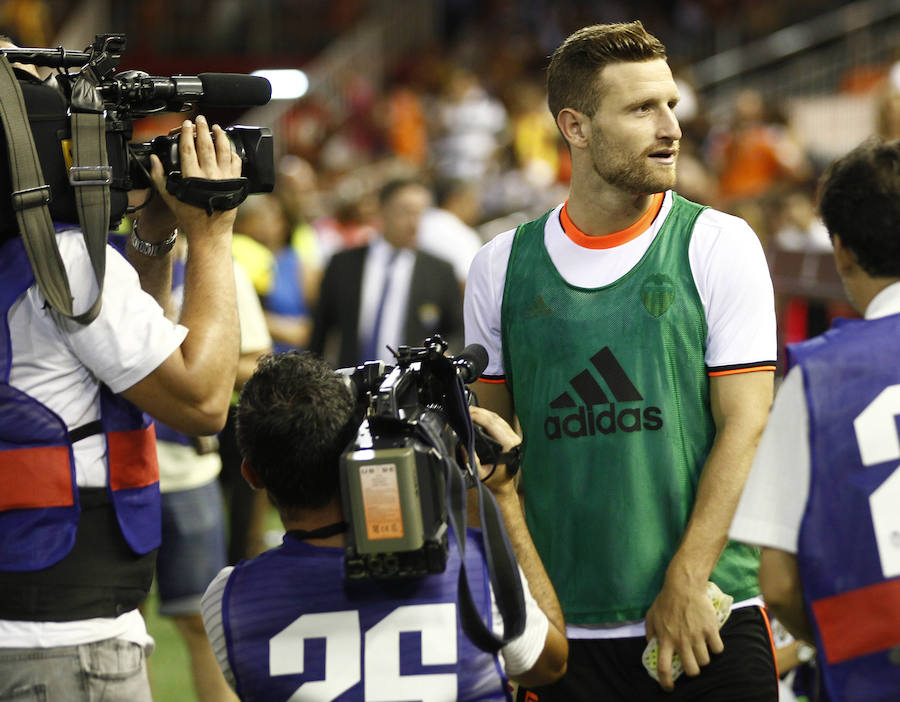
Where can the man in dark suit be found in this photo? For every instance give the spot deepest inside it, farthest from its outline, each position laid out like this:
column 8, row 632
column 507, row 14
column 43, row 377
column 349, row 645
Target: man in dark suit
column 387, row 293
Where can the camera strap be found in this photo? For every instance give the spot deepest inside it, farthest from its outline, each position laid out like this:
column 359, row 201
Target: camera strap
column 503, row 568
column 30, row 197
column 91, row 175
column 210, row 195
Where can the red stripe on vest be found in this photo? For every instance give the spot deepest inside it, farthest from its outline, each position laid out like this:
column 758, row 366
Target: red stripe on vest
column 132, row 458
column 859, row 622
column 35, row 477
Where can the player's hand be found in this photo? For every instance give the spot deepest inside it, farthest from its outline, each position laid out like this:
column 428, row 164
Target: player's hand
column 683, row 619
column 496, row 478
column 200, row 157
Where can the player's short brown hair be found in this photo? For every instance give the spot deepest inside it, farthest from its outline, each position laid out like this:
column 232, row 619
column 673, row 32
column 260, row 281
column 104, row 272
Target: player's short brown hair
column 575, row 65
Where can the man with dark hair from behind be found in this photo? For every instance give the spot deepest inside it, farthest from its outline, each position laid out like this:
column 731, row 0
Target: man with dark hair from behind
column 382, row 640
column 822, row 496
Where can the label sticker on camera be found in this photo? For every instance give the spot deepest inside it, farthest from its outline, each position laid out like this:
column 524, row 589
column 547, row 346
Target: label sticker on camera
column 381, row 501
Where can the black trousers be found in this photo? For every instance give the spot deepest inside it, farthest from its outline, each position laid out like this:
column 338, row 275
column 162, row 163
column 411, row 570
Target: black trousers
column 610, row 670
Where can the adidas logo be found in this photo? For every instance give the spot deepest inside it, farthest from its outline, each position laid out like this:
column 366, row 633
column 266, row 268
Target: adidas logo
column 585, row 422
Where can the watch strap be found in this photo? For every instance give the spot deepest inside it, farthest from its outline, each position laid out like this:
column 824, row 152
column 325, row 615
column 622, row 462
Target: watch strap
column 152, row 249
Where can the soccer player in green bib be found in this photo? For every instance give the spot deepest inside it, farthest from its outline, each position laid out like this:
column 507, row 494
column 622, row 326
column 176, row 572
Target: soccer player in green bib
column 632, row 333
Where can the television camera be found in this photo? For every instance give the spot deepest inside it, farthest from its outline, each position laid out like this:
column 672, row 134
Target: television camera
column 404, row 476
column 121, row 98
column 70, row 160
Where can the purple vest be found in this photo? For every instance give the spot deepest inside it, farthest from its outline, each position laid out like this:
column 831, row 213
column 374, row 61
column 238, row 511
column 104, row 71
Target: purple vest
column 851, row 583
column 291, row 621
column 39, row 496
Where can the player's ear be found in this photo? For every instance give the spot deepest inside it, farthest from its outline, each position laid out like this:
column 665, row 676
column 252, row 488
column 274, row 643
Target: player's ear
column 844, row 259
column 251, row 476
column 575, row 127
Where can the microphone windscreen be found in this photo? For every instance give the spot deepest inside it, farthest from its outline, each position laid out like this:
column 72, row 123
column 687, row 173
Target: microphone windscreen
column 475, row 357
column 234, row 89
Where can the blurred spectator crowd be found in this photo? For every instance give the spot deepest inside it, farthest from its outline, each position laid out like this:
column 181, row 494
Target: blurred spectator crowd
column 465, row 111
column 466, row 115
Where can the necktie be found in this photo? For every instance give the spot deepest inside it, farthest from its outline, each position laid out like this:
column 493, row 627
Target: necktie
column 370, row 350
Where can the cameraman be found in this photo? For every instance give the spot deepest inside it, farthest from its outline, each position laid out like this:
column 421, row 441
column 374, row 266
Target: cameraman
column 382, row 640
column 79, row 506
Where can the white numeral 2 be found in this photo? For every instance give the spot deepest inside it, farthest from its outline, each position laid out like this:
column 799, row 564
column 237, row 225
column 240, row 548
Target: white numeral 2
column 878, row 441
column 341, row 631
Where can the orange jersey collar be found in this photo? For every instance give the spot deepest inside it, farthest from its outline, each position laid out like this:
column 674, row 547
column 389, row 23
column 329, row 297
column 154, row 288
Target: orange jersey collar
column 610, row 241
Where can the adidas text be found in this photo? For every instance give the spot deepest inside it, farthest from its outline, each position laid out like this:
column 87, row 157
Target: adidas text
column 585, row 422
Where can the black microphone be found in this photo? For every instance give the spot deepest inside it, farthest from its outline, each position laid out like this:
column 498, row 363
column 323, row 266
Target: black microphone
column 140, row 91
column 471, row 363
column 234, row 89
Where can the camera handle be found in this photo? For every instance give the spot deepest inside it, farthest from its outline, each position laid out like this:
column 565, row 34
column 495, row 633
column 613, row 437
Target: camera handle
column 210, row 195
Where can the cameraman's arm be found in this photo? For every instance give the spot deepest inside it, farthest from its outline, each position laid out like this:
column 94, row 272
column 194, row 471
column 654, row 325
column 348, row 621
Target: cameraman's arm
column 190, row 391
column 155, row 224
column 496, row 397
column 551, row 664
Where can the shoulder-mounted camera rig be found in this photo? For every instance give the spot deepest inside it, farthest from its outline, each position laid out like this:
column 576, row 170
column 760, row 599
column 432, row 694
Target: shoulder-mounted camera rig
column 404, row 476
column 70, row 157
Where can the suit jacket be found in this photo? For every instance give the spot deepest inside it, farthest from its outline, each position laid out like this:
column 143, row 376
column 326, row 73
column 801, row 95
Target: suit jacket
column 433, row 288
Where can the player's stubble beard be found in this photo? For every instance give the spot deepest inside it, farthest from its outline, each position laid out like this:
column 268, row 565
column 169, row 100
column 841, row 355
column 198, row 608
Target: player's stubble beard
column 628, row 172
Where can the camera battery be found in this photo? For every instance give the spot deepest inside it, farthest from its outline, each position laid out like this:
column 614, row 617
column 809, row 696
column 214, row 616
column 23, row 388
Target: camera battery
column 383, row 488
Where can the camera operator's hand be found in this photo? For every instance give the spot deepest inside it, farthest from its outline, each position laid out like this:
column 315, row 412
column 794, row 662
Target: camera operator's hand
column 496, row 478
column 201, row 156
column 551, row 664
column 191, row 390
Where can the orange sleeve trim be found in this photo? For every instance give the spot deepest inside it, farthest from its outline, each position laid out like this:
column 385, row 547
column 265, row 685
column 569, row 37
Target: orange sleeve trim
column 765, row 616
column 492, row 380
column 735, row 371
column 609, row 241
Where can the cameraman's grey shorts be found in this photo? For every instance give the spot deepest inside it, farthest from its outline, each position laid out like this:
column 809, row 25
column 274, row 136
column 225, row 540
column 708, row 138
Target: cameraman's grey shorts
column 112, row 670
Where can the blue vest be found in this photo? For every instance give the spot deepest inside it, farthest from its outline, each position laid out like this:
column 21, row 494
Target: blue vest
column 854, row 607
column 292, row 622
column 39, row 496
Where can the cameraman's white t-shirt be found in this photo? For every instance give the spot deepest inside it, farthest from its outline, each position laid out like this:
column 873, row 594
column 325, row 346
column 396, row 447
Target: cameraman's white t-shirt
column 61, row 364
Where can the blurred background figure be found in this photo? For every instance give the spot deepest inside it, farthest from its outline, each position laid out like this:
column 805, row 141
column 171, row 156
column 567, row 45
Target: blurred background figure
column 887, row 112
column 388, row 292
column 536, row 143
column 276, row 268
column 754, row 154
column 349, row 224
column 297, row 187
column 446, row 229
column 468, row 127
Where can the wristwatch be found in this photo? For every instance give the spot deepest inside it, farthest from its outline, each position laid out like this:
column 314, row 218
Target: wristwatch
column 145, row 247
